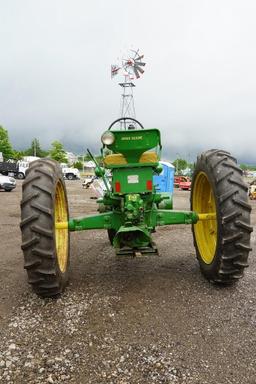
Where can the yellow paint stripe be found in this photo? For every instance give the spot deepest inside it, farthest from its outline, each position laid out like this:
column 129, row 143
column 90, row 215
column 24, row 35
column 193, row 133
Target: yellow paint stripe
column 207, row 216
column 61, row 225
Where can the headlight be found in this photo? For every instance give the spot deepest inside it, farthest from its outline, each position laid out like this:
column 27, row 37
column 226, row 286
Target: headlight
column 108, row 138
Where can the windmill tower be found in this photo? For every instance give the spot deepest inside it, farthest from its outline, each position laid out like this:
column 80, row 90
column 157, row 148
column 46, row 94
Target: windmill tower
column 131, row 68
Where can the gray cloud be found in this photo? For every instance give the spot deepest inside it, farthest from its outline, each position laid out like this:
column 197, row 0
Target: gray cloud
column 199, row 87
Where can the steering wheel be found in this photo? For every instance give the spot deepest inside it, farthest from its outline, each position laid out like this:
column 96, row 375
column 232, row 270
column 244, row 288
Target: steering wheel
column 124, row 120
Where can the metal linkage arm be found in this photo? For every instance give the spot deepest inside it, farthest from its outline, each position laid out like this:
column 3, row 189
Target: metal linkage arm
column 168, row 217
column 99, row 221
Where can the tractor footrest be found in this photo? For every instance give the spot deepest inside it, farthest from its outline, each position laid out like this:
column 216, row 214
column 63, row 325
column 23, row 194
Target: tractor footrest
column 138, row 252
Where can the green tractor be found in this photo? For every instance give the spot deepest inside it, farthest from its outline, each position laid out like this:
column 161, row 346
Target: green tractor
column 130, row 209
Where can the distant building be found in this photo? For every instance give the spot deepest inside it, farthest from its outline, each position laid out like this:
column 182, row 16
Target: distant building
column 71, row 157
column 89, row 167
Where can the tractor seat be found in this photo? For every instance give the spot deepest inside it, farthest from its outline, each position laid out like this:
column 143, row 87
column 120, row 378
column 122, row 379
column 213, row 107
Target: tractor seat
column 119, row 159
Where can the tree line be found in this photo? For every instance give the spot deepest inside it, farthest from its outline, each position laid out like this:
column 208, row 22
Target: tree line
column 56, row 152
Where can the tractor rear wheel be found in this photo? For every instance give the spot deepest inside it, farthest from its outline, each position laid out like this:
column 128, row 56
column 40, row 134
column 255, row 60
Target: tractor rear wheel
column 45, row 248
column 223, row 243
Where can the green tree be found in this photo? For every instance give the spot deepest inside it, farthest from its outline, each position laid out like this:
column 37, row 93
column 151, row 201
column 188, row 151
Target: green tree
column 36, row 150
column 78, row 165
column 57, row 152
column 191, row 166
column 18, row 155
column 247, row 167
column 243, row 167
column 5, row 145
column 180, row 164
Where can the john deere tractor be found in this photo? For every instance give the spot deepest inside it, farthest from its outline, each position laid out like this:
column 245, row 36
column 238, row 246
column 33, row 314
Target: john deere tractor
column 130, row 209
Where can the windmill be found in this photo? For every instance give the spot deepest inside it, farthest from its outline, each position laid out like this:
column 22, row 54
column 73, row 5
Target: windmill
column 130, row 68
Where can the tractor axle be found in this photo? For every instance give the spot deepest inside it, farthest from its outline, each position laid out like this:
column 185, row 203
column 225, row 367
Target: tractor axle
column 110, row 220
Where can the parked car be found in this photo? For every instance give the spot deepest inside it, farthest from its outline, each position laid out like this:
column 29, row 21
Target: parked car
column 16, row 169
column 69, row 173
column 182, row 182
column 177, row 180
column 7, row 183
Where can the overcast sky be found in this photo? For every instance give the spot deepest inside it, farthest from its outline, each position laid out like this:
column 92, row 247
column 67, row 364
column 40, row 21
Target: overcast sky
column 199, row 86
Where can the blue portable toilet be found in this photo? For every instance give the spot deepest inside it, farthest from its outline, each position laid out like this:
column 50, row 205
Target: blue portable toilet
column 164, row 182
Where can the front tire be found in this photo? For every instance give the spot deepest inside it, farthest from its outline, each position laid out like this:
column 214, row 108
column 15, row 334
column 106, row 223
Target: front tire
column 222, row 244
column 45, row 248
column 20, row 176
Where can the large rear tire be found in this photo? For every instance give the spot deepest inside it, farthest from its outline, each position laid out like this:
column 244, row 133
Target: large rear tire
column 45, row 248
column 222, row 244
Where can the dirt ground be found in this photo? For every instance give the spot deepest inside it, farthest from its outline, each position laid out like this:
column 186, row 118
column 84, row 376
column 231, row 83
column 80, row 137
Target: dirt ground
column 145, row 320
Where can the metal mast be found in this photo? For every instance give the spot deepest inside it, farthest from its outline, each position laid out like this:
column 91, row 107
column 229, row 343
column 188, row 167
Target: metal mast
column 127, row 108
column 132, row 68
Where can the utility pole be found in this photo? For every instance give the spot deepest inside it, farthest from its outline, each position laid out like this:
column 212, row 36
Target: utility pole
column 177, row 162
column 34, row 147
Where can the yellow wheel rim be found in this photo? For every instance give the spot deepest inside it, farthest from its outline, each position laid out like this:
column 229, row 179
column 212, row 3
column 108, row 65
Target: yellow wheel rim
column 203, row 201
column 61, row 235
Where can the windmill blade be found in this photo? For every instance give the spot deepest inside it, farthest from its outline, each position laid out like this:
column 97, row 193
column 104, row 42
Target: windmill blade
column 136, row 72
column 114, row 70
column 139, row 69
column 136, row 53
column 138, row 57
column 139, row 63
column 132, row 65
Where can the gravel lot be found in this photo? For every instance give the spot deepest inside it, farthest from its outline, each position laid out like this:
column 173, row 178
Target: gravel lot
column 146, row 320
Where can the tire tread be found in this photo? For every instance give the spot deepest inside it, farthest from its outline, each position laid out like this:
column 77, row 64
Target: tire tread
column 233, row 212
column 37, row 227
